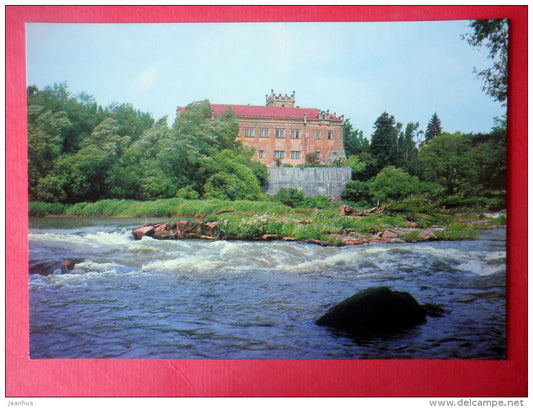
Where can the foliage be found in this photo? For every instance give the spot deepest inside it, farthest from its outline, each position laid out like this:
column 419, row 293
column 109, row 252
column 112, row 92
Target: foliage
column 312, row 158
column 493, row 34
column 390, row 184
column 354, row 141
column 80, row 152
column 407, row 144
column 384, row 143
column 356, row 191
column 394, row 184
column 40, row 209
column 357, row 164
column 442, row 160
column 319, row 202
column 290, row 197
column 434, row 127
column 187, row 193
column 229, row 176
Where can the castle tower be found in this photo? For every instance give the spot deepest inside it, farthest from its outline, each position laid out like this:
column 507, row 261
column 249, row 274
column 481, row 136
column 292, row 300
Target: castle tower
column 284, row 101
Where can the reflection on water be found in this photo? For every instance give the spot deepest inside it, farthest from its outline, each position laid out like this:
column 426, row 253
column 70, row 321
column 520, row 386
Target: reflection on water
column 251, row 300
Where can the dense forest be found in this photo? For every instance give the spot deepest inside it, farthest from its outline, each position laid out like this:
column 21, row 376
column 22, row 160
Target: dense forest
column 80, row 151
column 453, row 169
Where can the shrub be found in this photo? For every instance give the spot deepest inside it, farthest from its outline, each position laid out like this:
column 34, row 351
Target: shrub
column 188, row 193
column 240, row 185
column 320, row 202
column 392, row 183
column 473, row 203
column 50, row 189
column 356, row 191
column 291, row 197
column 40, row 209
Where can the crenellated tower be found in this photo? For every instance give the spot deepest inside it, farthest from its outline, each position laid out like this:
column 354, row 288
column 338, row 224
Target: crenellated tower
column 284, row 101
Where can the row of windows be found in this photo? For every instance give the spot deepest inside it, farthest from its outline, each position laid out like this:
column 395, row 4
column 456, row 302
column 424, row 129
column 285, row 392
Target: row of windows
column 280, row 133
column 280, row 154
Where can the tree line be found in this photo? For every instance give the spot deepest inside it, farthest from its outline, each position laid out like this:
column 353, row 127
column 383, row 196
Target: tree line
column 81, row 151
column 452, row 169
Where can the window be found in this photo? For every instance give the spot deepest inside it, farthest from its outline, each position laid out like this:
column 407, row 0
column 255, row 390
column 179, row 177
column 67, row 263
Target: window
column 295, row 154
column 249, row 132
column 280, row 133
column 279, row 154
column 318, row 135
column 318, row 155
column 330, row 135
column 295, row 134
column 263, row 133
column 261, row 154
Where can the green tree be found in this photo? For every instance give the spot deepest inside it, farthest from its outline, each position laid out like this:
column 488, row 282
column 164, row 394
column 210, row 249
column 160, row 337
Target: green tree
column 53, row 98
column 84, row 115
column 197, row 137
column 137, row 166
column 357, row 164
column 229, row 176
column 384, row 143
column 154, row 183
column 434, row 127
column 130, row 122
column 443, row 160
column 356, row 191
column 407, row 144
column 354, row 141
column 45, row 141
column 488, row 158
column 493, row 34
column 393, row 183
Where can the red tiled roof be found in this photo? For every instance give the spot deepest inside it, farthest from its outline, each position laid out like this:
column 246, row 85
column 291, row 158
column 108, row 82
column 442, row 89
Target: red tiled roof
column 269, row 111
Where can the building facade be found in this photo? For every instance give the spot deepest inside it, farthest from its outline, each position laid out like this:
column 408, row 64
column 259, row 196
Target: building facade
column 282, row 133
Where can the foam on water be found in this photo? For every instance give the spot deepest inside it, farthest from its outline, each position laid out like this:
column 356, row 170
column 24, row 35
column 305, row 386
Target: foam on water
column 253, row 299
column 188, row 265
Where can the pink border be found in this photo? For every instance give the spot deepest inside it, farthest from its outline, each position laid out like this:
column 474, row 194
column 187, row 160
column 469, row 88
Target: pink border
column 428, row 378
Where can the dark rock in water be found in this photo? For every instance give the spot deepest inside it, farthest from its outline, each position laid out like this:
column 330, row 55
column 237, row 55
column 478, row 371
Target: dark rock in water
column 44, row 267
column 375, row 310
column 50, row 267
column 68, row 264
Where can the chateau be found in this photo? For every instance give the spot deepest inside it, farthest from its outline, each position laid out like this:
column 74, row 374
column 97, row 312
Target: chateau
column 284, row 133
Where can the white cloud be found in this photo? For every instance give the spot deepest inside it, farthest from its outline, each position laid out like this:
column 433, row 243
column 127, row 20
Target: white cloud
column 146, row 79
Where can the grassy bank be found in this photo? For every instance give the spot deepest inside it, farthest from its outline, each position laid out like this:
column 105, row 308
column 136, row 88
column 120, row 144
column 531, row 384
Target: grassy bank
column 250, row 220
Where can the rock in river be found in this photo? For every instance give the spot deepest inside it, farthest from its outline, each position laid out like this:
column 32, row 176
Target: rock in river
column 375, row 310
column 180, row 229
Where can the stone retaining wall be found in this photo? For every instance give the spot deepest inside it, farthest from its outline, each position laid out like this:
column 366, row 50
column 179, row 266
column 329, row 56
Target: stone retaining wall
column 311, row 181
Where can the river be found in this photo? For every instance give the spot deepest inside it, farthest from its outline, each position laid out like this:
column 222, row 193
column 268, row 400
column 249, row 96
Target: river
column 195, row 299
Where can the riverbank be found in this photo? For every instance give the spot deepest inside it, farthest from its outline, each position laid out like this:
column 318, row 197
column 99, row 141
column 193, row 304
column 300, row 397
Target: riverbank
column 268, row 228
column 331, row 225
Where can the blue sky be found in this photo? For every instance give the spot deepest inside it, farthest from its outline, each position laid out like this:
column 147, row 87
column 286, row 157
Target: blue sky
column 408, row 69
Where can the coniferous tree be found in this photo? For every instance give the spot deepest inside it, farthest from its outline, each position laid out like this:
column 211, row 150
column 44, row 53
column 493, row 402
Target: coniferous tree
column 384, row 143
column 434, row 127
